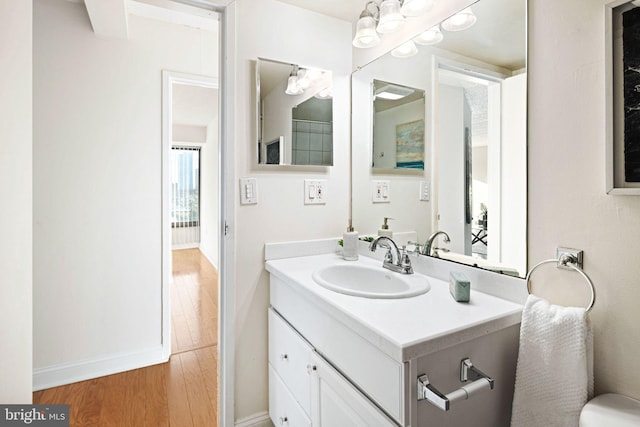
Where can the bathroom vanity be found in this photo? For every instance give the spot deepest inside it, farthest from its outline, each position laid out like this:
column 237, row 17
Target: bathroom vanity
column 344, row 360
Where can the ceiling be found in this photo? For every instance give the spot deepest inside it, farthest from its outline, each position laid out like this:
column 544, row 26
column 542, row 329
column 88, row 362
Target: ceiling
column 346, row 10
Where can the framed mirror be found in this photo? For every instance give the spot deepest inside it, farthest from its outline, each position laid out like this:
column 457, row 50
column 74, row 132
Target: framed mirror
column 294, row 114
column 471, row 183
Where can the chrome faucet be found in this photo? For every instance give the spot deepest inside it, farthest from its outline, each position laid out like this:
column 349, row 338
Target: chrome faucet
column 428, row 247
column 402, row 263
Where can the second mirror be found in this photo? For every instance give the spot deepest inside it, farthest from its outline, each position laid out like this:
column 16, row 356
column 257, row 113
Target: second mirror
column 295, row 114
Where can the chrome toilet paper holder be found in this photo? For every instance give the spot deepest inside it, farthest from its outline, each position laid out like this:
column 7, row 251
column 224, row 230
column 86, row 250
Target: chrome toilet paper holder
column 468, row 372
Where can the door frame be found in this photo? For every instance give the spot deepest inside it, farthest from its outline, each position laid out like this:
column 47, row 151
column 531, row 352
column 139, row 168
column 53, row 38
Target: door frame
column 227, row 194
column 226, row 220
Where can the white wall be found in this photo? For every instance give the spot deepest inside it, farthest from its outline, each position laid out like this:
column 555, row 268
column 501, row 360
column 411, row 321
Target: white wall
column 97, row 186
column 209, row 203
column 16, row 200
column 274, row 30
column 566, row 197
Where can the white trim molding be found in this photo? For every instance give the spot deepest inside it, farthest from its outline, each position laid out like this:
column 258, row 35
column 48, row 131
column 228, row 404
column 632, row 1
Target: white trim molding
column 260, row 419
column 68, row 373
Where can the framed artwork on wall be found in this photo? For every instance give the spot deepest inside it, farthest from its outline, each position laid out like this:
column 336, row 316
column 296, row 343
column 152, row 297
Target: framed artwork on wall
column 622, row 74
column 410, row 145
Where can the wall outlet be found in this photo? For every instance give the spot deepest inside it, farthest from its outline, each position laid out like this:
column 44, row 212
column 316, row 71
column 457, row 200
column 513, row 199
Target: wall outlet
column 380, row 191
column 315, row 191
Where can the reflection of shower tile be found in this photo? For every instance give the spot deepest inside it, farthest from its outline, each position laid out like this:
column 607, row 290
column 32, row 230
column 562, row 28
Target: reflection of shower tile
column 302, row 157
column 315, row 127
column 303, row 141
column 326, row 128
column 315, row 157
column 327, row 143
column 294, row 140
column 315, row 141
column 327, row 158
column 302, row 127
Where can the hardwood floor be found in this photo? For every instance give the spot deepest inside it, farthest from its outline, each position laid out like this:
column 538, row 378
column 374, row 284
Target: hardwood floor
column 179, row 393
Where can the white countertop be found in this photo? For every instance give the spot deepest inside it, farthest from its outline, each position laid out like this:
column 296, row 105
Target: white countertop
column 403, row 328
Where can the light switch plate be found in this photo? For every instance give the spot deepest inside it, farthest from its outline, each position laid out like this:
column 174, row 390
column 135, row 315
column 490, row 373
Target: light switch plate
column 248, row 191
column 424, row 191
column 315, row 191
column 380, row 191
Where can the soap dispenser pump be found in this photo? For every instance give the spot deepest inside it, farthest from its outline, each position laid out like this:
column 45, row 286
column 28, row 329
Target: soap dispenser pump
column 384, row 229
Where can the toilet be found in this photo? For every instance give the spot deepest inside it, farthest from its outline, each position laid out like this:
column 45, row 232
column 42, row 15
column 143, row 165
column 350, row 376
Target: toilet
column 611, row 410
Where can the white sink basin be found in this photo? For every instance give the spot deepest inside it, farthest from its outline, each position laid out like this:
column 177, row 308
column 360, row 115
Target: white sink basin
column 370, row 282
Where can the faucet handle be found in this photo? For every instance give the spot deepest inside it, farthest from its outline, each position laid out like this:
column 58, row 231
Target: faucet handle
column 404, row 261
column 417, row 247
column 388, row 257
column 404, row 256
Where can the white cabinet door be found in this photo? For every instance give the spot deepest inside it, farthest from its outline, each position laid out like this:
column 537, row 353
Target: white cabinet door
column 283, row 408
column 337, row 403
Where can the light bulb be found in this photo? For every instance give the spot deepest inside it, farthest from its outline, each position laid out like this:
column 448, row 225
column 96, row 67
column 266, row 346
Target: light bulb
column 429, row 37
column 415, row 7
column 366, row 35
column 460, row 21
column 292, row 86
column 390, row 17
column 405, row 50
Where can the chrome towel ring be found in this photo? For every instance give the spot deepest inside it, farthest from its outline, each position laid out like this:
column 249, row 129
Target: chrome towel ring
column 567, row 261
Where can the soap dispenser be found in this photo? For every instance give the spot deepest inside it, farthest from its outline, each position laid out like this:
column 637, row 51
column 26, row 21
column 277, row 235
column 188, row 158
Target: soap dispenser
column 350, row 244
column 384, row 229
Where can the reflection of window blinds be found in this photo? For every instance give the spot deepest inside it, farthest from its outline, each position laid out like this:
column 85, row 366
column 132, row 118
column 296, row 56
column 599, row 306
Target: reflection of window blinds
column 185, row 196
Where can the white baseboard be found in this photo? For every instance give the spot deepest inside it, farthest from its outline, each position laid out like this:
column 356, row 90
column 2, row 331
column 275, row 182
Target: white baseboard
column 68, row 373
column 260, row 419
column 206, row 255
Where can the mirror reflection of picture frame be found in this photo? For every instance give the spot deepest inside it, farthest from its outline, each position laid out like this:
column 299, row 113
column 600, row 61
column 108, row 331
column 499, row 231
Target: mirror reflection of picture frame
column 622, row 74
column 410, row 145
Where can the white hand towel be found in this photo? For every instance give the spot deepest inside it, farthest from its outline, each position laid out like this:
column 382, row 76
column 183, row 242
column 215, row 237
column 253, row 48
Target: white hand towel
column 554, row 375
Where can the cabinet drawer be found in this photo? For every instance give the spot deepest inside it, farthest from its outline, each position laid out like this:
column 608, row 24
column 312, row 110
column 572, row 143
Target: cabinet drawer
column 364, row 364
column 283, row 408
column 289, row 355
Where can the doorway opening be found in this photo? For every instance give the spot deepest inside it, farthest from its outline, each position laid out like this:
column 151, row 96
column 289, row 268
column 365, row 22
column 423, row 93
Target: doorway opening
column 191, row 211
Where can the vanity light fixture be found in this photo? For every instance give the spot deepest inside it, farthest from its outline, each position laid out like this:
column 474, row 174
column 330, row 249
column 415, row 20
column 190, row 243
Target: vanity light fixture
column 460, row 21
column 415, row 7
column 405, row 50
column 292, row 83
column 390, row 16
column 366, row 34
column 393, row 92
column 326, row 93
column 430, row 37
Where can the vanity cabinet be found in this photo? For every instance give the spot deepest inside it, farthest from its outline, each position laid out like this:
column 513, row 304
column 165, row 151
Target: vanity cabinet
column 338, row 360
column 305, row 390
